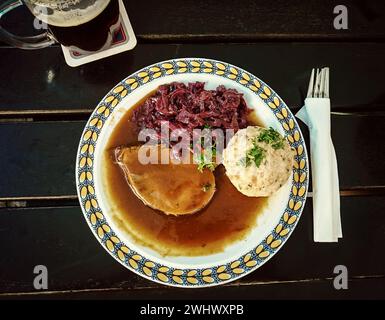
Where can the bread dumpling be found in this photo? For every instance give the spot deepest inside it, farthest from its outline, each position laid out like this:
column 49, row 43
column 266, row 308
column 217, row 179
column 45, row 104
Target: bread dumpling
column 258, row 161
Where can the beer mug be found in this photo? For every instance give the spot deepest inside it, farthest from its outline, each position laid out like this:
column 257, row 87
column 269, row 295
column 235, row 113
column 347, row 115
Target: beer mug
column 82, row 25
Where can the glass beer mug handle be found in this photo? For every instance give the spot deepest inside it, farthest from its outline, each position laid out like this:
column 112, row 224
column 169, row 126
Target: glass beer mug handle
column 42, row 40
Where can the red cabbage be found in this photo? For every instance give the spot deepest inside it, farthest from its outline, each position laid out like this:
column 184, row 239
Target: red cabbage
column 192, row 106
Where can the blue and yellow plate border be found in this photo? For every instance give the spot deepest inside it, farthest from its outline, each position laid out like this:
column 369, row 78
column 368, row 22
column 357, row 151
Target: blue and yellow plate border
column 217, row 274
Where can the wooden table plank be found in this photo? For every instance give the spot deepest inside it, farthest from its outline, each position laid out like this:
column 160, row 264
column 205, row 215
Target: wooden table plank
column 249, row 20
column 39, row 158
column 255, row 19
column 363, row 289
column 60, row 239
column 42, row 80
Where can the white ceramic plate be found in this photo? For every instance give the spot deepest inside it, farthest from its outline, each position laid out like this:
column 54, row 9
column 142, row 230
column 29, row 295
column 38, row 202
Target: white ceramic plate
column 274, row 224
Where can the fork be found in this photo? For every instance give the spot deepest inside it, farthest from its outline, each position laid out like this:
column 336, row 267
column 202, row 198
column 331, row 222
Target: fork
column 319, row 87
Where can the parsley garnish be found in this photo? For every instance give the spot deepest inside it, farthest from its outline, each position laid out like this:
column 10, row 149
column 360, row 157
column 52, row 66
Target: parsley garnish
column 270, row 136
column 255, row 155
column 204, row 161
column 277, row 145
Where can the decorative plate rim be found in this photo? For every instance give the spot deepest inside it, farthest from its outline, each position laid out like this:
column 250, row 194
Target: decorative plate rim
column 191, row 277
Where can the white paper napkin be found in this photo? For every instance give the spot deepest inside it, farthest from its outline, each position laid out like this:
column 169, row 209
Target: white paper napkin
column 326, row 197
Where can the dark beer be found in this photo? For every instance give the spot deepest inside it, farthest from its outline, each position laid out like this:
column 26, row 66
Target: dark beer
column 92, row 35
column 88, row 27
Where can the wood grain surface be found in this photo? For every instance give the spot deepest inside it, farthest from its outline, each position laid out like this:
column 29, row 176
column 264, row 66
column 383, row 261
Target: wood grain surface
column 42, row 80
column 44, row 105
column 246, row 20
column 60, row 239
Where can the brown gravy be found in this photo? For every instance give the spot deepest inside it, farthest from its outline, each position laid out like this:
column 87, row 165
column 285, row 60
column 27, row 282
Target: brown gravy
column 227, row 218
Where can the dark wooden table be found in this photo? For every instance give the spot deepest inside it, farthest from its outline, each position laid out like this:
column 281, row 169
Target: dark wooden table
column 44, row 105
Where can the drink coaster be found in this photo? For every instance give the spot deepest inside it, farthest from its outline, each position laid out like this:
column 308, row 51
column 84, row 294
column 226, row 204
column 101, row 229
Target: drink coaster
column 123, row 39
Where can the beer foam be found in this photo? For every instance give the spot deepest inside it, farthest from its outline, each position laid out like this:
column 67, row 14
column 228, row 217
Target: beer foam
column 67, row 13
